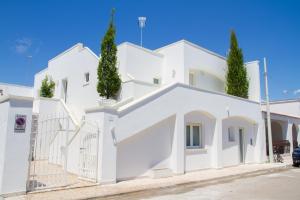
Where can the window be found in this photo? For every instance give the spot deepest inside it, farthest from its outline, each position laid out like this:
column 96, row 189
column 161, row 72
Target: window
column 192, row 79
column 156, row 81
column 231, row 136
column 87, row 77
column 194, row 137
column 1, row 92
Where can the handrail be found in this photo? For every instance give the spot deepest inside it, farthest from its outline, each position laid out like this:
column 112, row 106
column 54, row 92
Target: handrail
column 74, row 120
column 76, row 133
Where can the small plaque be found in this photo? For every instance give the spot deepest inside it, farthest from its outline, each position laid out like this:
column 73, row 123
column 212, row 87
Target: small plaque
column 20, row 123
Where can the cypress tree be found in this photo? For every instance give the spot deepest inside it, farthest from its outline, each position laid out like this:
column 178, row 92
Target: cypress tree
column 237, row 83
column 109, row 81
column 47, row 88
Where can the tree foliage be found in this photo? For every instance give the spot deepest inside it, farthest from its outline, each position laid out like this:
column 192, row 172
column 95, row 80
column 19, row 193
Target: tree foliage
column 109, row 82
column 237, row 82
column 47, row 88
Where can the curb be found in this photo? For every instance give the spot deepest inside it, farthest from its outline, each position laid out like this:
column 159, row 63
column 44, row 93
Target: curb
column 201, row 183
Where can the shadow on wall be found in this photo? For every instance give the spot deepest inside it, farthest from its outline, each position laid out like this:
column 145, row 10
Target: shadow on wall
column 146, row 149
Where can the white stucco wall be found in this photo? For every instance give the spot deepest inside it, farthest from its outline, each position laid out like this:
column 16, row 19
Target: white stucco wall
column 4, row 107
column 288, row 107
column 254, row 80
column 173, row 62
column 170, row 64
column 15, row 146
column 209, row 68
column 15, row 90
column 138, row 62
column 196, row 159
column 231, row 149
column 136, row 89
column 143, row 155
column 147, row 112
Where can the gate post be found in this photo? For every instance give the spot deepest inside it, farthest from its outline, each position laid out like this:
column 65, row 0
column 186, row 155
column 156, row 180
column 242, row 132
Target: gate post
column 15, row 126
column 106, row 117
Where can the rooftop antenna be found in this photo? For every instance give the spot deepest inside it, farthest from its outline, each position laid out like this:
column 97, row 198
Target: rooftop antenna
column 142, row 24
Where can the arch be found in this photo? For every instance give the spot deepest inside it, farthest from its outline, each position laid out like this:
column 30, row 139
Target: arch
column 200, row 112
column 199, row 127
column 277, row 131
column 243, row 118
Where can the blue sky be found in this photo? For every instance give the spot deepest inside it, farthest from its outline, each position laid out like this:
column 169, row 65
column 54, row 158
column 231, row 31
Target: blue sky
column 32, row 32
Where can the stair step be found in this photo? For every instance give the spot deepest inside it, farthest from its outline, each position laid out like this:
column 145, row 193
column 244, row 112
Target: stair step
column 161, row 173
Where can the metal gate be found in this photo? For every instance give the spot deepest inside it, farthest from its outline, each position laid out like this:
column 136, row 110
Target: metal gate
column 89, row 143
column 61, row 153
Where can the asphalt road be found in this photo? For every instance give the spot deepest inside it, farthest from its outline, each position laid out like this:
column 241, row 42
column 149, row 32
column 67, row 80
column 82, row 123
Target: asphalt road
column 284, row 185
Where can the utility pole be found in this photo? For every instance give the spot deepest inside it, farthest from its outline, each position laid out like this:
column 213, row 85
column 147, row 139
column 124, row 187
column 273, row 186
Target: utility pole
column 268, row 113
column 142, row 24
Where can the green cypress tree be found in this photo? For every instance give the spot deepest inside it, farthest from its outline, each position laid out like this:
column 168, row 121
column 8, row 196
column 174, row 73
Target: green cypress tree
column 47, row 88
column 237, row 82
column 109, row 82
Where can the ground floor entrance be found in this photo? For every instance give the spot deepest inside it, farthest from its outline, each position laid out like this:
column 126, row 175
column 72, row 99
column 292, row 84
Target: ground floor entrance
column 62, row 154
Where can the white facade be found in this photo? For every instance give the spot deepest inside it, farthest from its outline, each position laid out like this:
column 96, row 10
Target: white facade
column 15, row 90
column 139, row 68
column 14, row 146
column 172, row 114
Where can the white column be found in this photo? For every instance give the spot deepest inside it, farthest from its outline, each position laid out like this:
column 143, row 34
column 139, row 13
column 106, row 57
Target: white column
column 178, row 147
column 217, row 145
column 14, row 145
column 289, row 135
column 107, row 154
column 260, row 143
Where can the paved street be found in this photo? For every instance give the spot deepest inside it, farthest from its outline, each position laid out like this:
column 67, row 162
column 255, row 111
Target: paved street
column 281, row 185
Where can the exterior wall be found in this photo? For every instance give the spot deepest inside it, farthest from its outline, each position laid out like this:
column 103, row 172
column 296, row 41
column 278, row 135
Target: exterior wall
column 173, row 63
column 14, row 146
column 136, row 155
column 146, row 113
column 231, row 149
column 136, row 89
column 209, row 68
column 140, row 63
column 254, row 80
column 72, row 65
column 15, row 90
column 289, row 107
column 170, row 64
column 199, row 59
column 196, row 159
column 4, row 107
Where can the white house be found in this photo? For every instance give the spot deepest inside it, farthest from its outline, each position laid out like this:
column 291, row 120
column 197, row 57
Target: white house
column 172, row 116
column 15, row 90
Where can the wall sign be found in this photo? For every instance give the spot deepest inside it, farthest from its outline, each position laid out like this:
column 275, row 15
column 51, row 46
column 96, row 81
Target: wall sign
column 20, row 123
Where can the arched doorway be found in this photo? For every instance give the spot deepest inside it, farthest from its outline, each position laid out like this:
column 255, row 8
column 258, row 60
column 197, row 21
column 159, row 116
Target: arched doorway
column 280, row 143
column 277, row 133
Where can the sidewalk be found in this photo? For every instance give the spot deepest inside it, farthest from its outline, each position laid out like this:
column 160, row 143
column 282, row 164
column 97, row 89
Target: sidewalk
column 205, row 176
